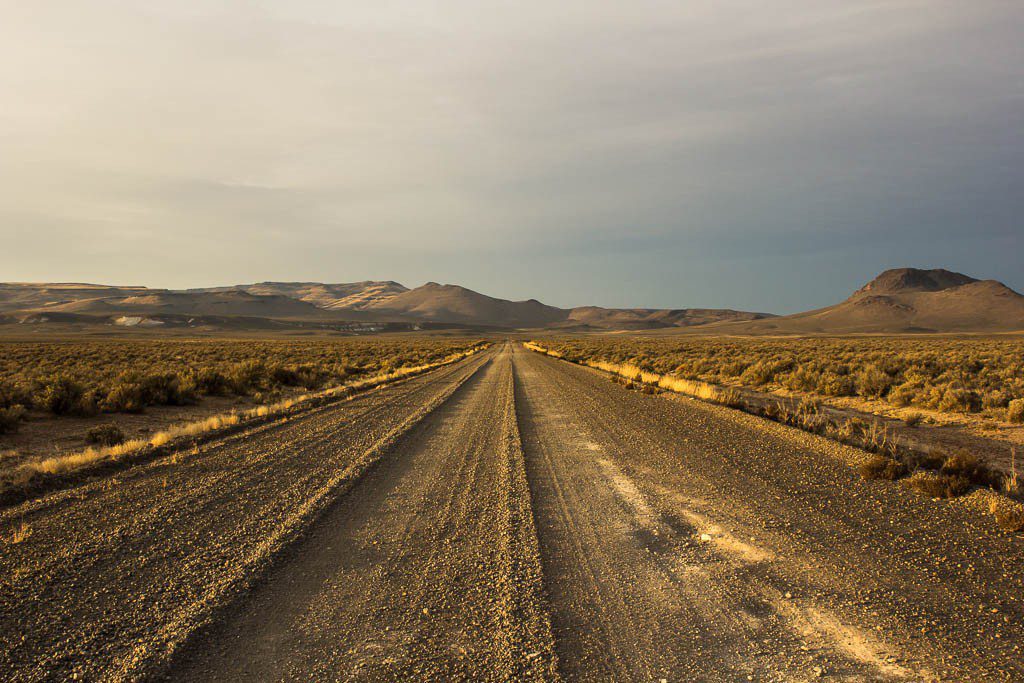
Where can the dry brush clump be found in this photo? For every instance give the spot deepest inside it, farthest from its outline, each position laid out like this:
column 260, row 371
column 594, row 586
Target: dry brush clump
column 1009, row 514
column 104, row 435
column 938, row 485
column 882, row 467
column 977, row 375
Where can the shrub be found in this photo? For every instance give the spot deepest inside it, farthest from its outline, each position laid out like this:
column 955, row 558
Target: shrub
column 960, row 401
column 305, row 376
column 246, row 377
column 210, row 382
column 970, row 467
column 105, row 435
column 926, row 461
column 872, row 382
column 938, row 485
column 734, row 369
column 83, row 377
column 10, row 418
column 1015, row 410
column 286, row 376
column 165, row 390
column 881, row 467
column 64, row 396
column 904, row 394
column 913, row 419
column 1009, row 515
column 124, row 397
column 758, row 374
column 801, row 380
column 836, row 385
column 995, row 399
column 13, row 395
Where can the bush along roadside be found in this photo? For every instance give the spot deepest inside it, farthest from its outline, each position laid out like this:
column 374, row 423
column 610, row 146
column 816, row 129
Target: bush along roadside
column 932, row 474
column 113, row 453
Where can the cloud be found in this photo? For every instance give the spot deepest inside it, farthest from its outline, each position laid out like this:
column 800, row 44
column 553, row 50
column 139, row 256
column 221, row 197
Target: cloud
column 339, row 140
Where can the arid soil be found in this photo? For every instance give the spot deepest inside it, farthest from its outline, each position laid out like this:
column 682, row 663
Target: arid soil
column 509, row 517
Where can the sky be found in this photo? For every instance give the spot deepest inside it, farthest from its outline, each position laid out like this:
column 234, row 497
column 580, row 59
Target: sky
column 768, row 156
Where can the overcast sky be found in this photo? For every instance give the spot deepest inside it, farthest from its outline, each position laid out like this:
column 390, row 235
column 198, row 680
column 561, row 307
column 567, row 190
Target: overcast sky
column 755, row 155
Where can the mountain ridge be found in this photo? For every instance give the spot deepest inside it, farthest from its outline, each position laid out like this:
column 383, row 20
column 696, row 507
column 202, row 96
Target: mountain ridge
column 899, row 300
column 367, row 301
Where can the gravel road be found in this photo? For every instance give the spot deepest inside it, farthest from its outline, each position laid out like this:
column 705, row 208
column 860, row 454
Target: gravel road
column 509, row 517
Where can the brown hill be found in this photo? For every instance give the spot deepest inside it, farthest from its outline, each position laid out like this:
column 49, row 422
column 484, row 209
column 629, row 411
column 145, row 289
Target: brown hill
column 163, row 302
column 654, row 318
column 455, row 304
column 345, row 295
column 26, row 295
column 368, row 301
column 906, row 300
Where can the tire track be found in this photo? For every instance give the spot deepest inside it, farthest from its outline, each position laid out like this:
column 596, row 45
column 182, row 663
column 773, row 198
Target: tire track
column 427, row 570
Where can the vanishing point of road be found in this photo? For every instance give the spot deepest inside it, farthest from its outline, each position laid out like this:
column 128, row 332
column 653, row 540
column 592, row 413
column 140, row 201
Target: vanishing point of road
column 508, row 517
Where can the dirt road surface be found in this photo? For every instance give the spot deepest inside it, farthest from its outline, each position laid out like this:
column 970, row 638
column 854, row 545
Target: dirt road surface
column 510, row 517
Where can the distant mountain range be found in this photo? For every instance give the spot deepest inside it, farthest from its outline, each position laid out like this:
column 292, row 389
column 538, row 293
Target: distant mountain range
column 356, row 306
column 897, row 301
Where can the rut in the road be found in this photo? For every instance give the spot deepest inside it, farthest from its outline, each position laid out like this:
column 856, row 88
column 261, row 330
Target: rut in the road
column 428, row 570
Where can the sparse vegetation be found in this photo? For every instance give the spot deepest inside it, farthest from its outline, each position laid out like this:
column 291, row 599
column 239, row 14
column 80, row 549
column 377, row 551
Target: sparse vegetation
column 110, row 445
column 82, row 378
column 978, row 376
column 20, row 534
column 971, row 468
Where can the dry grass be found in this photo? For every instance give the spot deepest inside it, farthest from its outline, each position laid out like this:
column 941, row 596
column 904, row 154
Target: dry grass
column 938, row 485
column 20, row 534
column 1011, row 485
column 913, row 419
column 636, row 375
column 881, row 467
